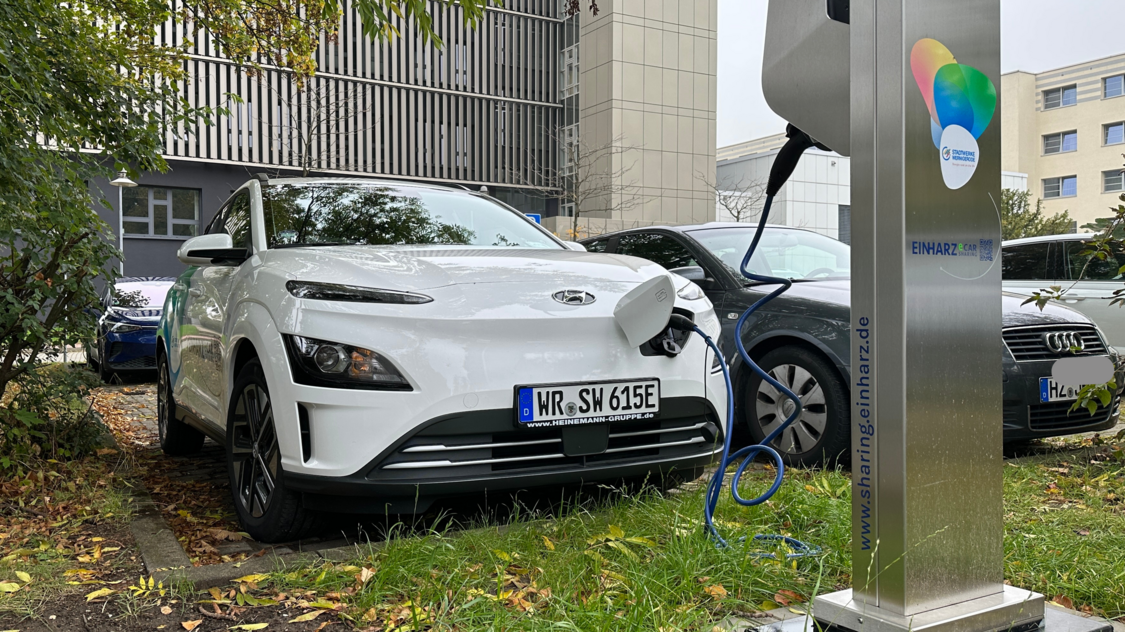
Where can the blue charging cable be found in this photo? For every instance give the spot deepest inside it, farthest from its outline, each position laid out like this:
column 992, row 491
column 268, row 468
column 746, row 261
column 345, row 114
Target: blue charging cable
column 747, row 454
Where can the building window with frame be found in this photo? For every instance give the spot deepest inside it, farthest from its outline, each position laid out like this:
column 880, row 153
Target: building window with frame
column 1060, row 97
column 568, row 147
column 1113, row 181
column 160, row 212
column 1060, row 143
column 1113, row 86
column 1114, row 133
column 568, row 72
column 1066, row 186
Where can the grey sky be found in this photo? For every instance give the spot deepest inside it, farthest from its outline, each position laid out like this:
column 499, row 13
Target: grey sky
column 1037, row 35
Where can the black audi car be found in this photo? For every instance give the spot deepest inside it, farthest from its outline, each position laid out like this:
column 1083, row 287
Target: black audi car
column 802, row 337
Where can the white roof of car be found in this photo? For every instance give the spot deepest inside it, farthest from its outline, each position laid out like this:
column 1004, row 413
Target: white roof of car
column 1044, row 238
column 367, row 181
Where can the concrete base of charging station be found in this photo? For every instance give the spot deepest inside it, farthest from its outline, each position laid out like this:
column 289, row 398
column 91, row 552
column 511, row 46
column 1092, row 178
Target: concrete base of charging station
column 1055, row 619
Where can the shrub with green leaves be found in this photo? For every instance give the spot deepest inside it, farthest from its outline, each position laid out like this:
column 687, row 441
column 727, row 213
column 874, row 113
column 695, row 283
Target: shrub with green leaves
column 47, row 414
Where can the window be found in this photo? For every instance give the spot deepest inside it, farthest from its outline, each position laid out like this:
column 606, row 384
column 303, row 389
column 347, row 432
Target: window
column 236, row 220
column 1114, row 133
column 1060, row 187
column 1113, row 86
column 1025, row 263
column 845, row 223
column 568, row 72
column 1113, row 181
column 656, row 248
column 1097, row 269
column 597, row 246
column 566, row 209
column 160, row 212
column 1060, row 143
column 793, row 254
column 569, row 150
column 1060, row 97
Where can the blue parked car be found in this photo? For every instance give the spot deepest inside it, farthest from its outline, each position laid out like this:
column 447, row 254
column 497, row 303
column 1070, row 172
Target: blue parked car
column 126, row 338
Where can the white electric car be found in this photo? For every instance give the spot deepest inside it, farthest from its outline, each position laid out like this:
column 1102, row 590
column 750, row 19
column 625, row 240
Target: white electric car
column 369, row 346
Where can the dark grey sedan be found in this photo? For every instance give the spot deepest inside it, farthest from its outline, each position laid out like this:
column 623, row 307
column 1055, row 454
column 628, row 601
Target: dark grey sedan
column 802, row 337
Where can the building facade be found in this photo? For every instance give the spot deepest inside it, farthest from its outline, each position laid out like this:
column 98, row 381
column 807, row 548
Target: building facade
column 1065, row 129
column 495, row 107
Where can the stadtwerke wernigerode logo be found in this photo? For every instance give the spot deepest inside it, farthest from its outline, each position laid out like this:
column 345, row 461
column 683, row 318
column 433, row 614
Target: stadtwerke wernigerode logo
column 961, row 100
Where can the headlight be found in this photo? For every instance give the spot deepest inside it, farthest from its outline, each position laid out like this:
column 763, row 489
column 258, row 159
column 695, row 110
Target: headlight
column 716, row 364
column 690, row 292
column 353, row 293
column 126, row 328
column 323, row 363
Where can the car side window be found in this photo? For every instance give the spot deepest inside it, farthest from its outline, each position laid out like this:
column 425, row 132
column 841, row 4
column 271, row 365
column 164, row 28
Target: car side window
column 216, row 225
column 1027, row 262
column 657, row 248
column 1089, row 268
column 598, row 245
column 236, row 220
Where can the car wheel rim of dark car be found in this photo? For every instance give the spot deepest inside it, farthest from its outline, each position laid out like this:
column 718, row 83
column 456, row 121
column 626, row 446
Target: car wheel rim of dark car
column 254, row 450
column 772, row 408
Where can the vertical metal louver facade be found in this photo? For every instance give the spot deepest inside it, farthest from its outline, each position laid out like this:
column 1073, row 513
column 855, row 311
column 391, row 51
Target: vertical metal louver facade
column 481, row 110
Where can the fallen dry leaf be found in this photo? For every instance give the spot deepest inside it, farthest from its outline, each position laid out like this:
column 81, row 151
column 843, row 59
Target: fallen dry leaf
column 165, row 610
column 1063, row 601
column 716, row 591
column 191, row 625
column 308, row 616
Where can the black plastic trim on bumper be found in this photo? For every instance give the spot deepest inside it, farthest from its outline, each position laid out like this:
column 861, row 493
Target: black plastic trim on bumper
column 352, row 495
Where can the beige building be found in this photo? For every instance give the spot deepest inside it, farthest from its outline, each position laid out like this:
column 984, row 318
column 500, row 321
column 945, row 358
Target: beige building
column 647, row 90
column 1065, row 129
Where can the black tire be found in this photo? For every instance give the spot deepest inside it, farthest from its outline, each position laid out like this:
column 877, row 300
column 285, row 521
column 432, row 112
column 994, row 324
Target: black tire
column 104, row 372
column 176, row 437
column 821, row 435
column 266, row 509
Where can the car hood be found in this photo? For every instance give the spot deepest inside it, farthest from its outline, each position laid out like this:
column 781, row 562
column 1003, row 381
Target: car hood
column 1015, row 313
column 420, row 268
column 135, row 315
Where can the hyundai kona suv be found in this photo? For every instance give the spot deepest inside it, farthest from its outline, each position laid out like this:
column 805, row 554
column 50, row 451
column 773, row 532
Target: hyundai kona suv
column 366, row 347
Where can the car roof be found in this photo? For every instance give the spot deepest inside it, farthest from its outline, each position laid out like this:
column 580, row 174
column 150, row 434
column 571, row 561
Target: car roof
column 1046, row 238
column 685, row 228
column 368, row 181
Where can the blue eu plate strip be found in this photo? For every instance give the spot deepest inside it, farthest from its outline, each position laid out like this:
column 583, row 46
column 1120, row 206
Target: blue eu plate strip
column 526, row 405
column 1044, row 390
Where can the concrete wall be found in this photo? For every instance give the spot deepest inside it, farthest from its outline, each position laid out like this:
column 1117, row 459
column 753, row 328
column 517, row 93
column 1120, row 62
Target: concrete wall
column 1025, row 122
column 648, row 84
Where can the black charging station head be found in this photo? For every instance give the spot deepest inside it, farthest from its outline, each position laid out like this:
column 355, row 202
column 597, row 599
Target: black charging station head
column 788, row 157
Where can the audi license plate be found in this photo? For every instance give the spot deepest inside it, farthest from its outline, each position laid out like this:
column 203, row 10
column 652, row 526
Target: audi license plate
column 557, row 405
column 1052, row 391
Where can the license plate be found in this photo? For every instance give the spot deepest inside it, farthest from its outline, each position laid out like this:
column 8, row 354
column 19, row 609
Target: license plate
column 555, row 405
column 1052, row 391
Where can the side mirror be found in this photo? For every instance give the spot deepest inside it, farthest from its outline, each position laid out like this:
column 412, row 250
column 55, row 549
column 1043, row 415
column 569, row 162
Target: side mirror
column 574, row 245
column 696, row 274
column 208, row 250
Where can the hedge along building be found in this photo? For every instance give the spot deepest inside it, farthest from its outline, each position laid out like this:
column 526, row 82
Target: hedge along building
column 497, row 107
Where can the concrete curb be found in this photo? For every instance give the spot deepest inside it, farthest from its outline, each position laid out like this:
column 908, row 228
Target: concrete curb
column 157, row 542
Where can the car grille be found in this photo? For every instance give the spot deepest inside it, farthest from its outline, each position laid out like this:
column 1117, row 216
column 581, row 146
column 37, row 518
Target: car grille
column 1027, row 345
column 456, row 448
column 143, row 362
column 1057, row 416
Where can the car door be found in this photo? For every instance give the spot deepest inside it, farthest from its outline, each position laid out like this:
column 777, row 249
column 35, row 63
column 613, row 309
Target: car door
column 208, row 297
column 1094, row 282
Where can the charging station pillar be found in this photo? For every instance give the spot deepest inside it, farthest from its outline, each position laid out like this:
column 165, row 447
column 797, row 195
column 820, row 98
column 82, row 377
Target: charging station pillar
column 927, row 533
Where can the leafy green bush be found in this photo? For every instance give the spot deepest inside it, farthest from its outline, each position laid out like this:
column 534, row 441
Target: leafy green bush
column 46, row 414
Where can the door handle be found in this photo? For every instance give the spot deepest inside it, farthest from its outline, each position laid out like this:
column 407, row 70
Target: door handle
column 195, row 292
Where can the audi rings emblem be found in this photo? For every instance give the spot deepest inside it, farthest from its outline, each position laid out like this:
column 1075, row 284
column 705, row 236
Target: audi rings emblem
column 573, row 297
column 1064, row 341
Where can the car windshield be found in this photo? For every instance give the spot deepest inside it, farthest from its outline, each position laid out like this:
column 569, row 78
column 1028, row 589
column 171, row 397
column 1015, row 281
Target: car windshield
column 800, row 255
column 140, row 295
column 311, row 214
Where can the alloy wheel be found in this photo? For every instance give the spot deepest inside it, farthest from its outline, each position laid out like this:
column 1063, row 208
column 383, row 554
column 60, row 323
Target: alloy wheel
column 772, row 408
column 257, row 459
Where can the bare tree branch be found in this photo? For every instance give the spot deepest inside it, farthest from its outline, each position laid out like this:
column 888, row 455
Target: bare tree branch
column 586, row 178
column 317, row 122
column 743, row 200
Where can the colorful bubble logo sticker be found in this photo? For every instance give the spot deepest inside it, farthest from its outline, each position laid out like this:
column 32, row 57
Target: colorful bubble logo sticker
column 961, row 100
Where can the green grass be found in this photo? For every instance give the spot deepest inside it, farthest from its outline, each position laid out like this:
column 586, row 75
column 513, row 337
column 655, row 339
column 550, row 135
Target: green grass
column 642, row 562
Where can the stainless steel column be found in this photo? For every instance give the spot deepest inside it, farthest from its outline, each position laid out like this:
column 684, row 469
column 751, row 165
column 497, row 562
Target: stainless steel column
column 926, row 345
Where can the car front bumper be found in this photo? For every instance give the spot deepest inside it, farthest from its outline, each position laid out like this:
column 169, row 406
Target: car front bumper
column 483, row 451
column 1025, row 417
column 131, row 351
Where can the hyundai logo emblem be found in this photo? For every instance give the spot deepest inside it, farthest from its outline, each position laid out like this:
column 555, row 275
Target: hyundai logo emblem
column 573, row 297
column 1061, row 342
